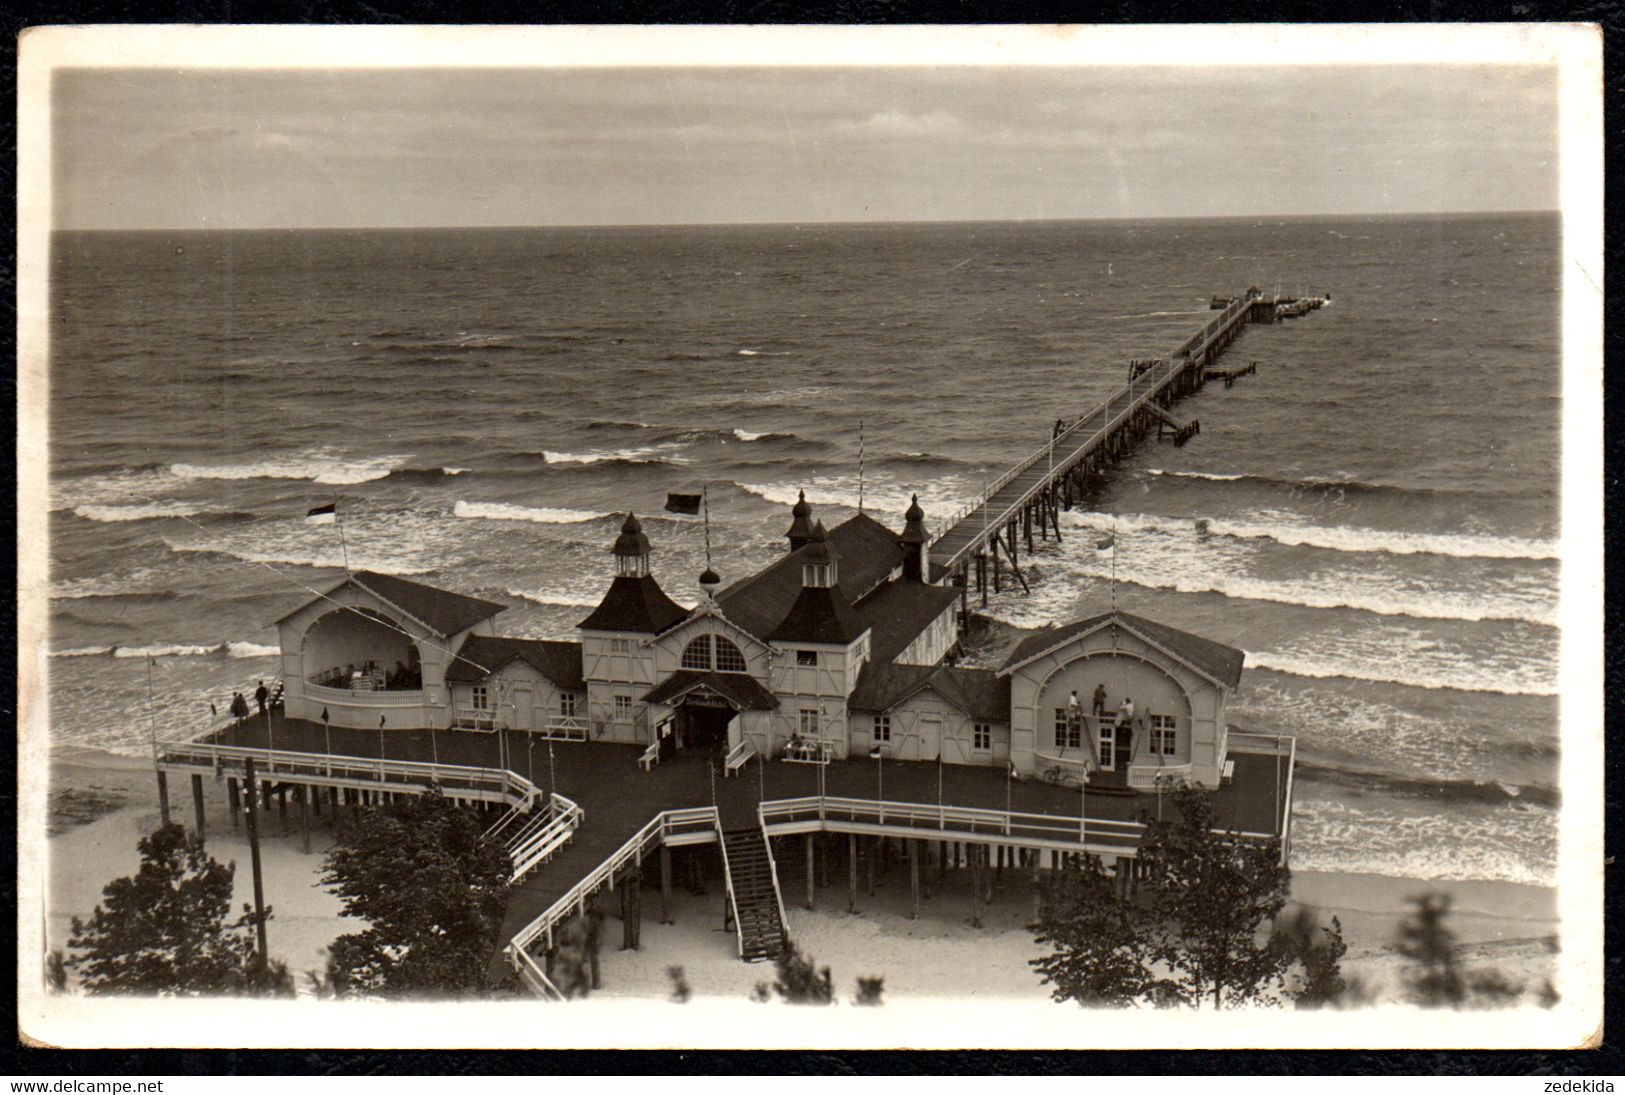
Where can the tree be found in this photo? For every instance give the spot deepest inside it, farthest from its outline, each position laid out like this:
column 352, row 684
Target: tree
column 1436, row 978
column 432, row 889
column 1318, row 951
column 1101, row 944
column 162, row 931
column 870, row 991
column 1211, row 893
column 798, row 980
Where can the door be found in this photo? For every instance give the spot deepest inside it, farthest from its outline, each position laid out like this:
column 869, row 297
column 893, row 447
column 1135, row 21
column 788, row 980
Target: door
column 930, row 741
column 523, row 712
column 1108, row 747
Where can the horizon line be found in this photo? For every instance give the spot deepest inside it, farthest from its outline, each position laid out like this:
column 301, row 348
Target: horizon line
column 798, row 224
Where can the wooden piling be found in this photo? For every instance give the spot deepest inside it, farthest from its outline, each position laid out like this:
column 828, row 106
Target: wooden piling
column 233, row 802
column 163, row 796
column 851, row 872
column 197, row 802
column 665, row 884
column 875, row 849
column 304, row 815
column 810, row 901
column 914, row 877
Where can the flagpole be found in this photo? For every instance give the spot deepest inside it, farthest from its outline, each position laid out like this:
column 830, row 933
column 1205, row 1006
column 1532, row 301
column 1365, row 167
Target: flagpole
column 152, row 714
column 344, row 548
column 860, row 465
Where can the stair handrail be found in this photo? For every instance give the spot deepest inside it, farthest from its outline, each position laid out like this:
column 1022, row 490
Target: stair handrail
column 773, row 875
column 565, row 817
column 739, row 755
column 728, row 883
column 577, row 895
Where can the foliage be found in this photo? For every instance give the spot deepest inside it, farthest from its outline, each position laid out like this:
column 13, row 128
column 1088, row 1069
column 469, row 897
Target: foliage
column 1436, row 978
column 1318, row 951
column 798, row 981
column 680, row 991
column 432, row 889
column 1101, row 953
column 1195, row 935
column 56, row 972
column 870, row 990
column 163, row 930
column 1211, row 893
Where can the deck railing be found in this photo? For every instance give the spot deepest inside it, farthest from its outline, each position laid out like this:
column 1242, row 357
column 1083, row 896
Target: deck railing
column 668, row 823
column 492, row 784
column 534, row 845
column 773, row 869
column 728, row 886
column 797, row 814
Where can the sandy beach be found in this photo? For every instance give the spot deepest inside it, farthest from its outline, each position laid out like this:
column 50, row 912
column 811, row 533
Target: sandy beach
column 101, row 804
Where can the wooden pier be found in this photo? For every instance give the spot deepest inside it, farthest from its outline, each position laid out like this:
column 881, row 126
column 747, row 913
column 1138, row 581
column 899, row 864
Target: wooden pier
column 986, row 536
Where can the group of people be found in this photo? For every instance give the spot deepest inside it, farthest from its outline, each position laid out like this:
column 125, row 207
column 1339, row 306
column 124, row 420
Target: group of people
column 1125, row 710
column 239, row 702
column 802, row 748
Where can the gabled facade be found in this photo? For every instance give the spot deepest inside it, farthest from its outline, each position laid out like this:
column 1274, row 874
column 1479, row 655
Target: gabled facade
column 839, row 644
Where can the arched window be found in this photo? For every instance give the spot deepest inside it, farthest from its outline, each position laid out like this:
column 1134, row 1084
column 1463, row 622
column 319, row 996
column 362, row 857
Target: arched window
column 729, row 659
column 697, row 654
column 724, row 656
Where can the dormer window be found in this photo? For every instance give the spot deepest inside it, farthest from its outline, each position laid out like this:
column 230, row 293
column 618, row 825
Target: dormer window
column 632, row 566
column 818, row 575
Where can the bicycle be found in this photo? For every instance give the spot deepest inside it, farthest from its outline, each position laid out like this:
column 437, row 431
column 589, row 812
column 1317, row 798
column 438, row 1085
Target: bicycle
column 1060, row 777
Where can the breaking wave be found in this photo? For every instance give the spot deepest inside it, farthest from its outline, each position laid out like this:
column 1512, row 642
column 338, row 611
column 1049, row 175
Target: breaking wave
column 318, row 468
column 140, row 511
column 232, row 649
column 1392, row 542
column 1525, row 681
column 503, row 511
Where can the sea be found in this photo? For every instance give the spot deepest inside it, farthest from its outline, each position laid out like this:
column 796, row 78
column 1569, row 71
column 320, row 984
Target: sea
column 1372, row 516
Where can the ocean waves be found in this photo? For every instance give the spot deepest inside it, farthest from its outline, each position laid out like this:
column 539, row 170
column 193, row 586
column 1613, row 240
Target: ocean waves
column 317, row 467
column 231, row 649
column 1281, row 528
column 141, row 511
column 504, row 511
column 1463, row 673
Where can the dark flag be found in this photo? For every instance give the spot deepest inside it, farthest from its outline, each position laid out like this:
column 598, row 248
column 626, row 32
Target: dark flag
column 323, row 515
column 683, row 502
column 324, row 714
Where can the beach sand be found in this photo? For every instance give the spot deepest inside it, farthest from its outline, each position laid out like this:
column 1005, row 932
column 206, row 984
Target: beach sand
column 101, row 804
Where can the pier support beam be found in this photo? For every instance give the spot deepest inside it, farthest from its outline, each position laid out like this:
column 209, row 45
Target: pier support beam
column 914, row 877
column 304, row 815
column 851, row 872
column 810, row 873
column 665, row 884
column 163, row 796
column 197, row 802
column 233, row 802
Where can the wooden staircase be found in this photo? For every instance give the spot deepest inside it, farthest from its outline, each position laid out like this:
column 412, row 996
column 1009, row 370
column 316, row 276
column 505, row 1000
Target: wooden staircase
column 753, row 889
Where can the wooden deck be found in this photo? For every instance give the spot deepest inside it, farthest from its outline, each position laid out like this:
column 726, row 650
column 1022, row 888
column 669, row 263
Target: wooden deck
column 618, row 798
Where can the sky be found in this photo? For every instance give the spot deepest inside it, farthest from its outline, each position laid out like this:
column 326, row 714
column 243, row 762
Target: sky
column 177, row 148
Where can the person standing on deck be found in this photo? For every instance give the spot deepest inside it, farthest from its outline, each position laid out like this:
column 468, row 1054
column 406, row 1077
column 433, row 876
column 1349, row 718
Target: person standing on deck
column 239, row 707
column 1125, row 725
column 1074, row 711
column 1100, row 701
column 261, row 694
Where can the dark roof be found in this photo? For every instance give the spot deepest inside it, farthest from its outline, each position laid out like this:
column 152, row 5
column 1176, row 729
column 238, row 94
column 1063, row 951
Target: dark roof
column 634, row 604
column 818, row 616
column 1215, row 660
column 898, row 611
column 868, row 550
column 559, row 662
column 980, row 693
column 914, row 523
column 442, row 610
column 740, row 689
column 631, row 541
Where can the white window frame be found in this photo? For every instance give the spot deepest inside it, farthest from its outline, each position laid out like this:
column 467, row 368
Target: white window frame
column 809, row 721
column 1067, row 735
column 882, row 728
column 623, row 707
column 568, row 705
column 620, row 646
column 807, row 659
column 1164, row 735
column 479, row 698
column 717, row 651
column 1106, row 746
column 981, row 740
column 697, row 654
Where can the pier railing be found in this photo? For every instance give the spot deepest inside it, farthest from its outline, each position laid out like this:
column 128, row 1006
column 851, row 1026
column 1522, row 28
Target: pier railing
column 455, row 780
column 834, row 814
column 664, row 826
column 533, row 847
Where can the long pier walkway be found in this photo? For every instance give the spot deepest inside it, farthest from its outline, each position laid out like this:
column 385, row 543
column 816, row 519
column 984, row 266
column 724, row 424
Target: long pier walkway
column 1036, row 489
